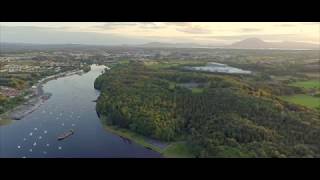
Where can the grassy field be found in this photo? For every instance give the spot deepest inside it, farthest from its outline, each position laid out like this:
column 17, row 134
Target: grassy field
column 132, row 136
column 178, row 150
column 172, row 63
column 197, row 90
column 307, row 84
column 304, row 100
column 160, row 65
column 173, row 150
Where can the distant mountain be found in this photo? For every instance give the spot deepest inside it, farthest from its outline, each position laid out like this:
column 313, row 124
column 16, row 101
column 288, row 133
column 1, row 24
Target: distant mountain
column 177, row 45
column 255, row 43
column 250, row 43
column 13, row 47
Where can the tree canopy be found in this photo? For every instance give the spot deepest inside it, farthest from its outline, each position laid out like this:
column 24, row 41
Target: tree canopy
column 227, row 118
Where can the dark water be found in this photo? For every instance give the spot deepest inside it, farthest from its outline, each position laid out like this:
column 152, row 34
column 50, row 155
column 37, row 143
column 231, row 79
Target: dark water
column 70, row 107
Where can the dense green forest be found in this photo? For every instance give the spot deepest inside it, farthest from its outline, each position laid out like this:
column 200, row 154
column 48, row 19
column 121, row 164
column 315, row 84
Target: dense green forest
column 218, row 115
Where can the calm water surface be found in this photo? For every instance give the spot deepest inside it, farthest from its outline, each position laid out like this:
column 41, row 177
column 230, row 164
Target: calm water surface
column 219, row 68
column 70, row 107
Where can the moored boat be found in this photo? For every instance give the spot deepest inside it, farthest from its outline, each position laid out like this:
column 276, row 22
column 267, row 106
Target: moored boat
column 66, row 135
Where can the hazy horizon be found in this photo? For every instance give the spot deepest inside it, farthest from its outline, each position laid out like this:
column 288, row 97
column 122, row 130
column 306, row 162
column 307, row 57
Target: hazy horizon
column 133, row 33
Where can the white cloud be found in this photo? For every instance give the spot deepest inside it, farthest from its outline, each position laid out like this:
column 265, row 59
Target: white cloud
column 250, row 29
column 194, row 30
column 207, row 32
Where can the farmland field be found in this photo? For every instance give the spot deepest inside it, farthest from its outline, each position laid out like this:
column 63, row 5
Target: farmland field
column 304, row 100
column 307, row 84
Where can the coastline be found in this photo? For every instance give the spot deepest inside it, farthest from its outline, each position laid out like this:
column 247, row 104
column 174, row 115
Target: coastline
column 35, row 102
column 166, row 149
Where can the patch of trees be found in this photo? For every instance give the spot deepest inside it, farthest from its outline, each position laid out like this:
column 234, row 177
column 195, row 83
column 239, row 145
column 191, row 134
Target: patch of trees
column 229, row 118
column 9, row 103
column 13, row 82
column 17, row 83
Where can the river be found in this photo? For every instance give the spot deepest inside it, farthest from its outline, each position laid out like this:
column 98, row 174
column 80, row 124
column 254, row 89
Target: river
column 71, row 106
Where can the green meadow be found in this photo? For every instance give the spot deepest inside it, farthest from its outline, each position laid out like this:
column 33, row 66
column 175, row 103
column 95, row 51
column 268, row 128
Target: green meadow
column 304, row 100
column 178, row 150
column 307, row 84
column 197, row 90
column 173, row 150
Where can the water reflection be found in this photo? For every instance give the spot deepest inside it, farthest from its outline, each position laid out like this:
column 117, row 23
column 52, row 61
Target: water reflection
column 219, row 68
column 69, row 107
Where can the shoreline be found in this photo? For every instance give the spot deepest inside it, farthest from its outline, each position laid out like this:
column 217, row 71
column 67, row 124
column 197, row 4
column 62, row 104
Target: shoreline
column 131, row 136
column 172, row 149
column 34, row 102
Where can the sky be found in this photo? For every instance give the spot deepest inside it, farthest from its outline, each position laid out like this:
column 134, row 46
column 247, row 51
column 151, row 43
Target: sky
column 118, row 33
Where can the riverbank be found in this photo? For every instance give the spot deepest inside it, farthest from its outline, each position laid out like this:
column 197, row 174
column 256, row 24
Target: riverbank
column 4, row 121
column 33, row 103
column 167, row 149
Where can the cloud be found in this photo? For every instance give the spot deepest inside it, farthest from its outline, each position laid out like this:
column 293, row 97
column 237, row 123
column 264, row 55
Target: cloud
column 181, row 24
column 150, row 25
column 310, row 23
column 99, row 34
column 115, row 25
column 194, row 30
column 36, row 35
column 297, row 24
column 188, row 27
column 244, row 36
column 285, row 25
column 265, row 37
column 250, row 29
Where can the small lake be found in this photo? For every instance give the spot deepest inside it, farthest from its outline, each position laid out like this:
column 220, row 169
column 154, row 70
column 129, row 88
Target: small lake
column 71, row 106
column 219, row 68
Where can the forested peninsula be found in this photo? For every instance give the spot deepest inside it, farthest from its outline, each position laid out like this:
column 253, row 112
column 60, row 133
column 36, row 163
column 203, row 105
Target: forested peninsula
column 214, row 115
